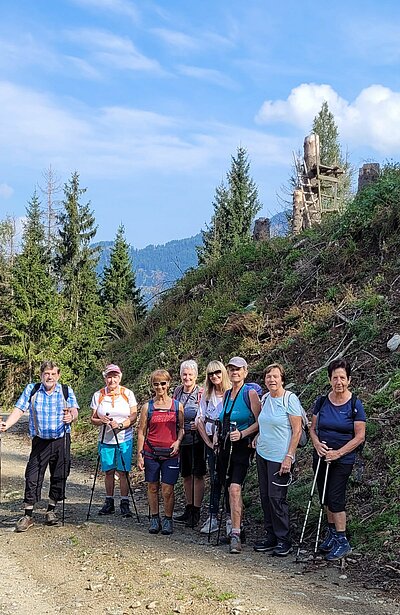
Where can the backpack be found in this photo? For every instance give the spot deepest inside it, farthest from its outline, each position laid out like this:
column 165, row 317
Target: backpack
column 103, row 394
column 36, row 387
column 246, row 392
column 305, row 434
column 320, row 402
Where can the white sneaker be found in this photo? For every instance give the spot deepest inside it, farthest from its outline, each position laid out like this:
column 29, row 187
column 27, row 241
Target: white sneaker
column 228, row 526
column 214, row 525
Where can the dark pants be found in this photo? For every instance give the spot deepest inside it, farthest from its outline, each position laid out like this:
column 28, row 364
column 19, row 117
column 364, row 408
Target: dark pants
column 273, row 500
column 56, row 455
column 338, row 477
column 215, row 483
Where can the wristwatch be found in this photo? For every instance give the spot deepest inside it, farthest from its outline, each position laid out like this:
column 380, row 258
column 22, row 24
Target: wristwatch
column 120, row 426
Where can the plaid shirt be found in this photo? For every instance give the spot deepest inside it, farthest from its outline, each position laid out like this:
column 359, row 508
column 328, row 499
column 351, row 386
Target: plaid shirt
column 46, row 411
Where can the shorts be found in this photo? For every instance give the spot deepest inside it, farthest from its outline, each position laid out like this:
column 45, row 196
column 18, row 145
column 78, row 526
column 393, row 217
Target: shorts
column 338, row 476
column 193, row 453
column 110, row 456
column 168, row 469
column 239, row 462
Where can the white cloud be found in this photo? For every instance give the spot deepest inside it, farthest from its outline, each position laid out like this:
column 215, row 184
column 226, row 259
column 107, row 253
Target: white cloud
column 6, row 191
column 208, row 74
column 371, row 120
column 120, row 7
column 176, row 39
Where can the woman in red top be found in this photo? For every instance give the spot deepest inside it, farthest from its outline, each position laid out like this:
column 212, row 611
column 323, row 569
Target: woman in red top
column 160, row 434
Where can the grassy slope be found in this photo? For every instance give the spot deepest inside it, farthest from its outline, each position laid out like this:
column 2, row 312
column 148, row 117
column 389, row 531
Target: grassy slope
column 314, row 295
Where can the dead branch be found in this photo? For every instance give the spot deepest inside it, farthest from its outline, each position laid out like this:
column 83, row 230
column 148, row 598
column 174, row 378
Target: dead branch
column 331, row 358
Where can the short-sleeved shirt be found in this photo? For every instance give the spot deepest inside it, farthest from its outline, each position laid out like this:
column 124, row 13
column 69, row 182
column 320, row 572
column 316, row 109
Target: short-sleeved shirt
column 209, row 411
column 46, row 411
column 239, row 411
column 335, row 424
column 190, row 402
column 275, row 431
column 117, row 407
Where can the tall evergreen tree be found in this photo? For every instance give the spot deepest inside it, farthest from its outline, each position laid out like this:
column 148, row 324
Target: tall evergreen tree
column 119, row 280
column 33, row 324
column 75, row 265
column 235, row 207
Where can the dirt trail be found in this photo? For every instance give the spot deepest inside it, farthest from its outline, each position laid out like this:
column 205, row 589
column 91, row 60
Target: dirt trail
column 113, row 566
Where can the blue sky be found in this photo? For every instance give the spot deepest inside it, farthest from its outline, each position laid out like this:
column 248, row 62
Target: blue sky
column 148, row 100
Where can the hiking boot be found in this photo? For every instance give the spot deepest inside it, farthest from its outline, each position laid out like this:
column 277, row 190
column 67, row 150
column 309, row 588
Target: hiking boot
column 108, row 507
column 236, row 545
column 125, row 510
column 194, row 517
column 155, row 525
column 51, row 518
column 167, row 526
column 185, row 515
column 212, row 519
column 282, row 549
column 328, row 542
column 267, row 545
column 24, row 524
column 340, row 549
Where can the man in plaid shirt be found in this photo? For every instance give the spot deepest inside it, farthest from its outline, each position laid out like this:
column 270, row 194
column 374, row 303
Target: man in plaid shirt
column 51, row 412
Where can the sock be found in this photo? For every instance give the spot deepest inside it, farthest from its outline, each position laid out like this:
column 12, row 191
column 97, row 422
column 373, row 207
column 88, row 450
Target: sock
column 156, row 516
column 110, row 497
column 169, row 518
column 341, row 534
column 50, row 507
column 28, row 512
column 332, row 526
column 124, row 498
column 236, row 530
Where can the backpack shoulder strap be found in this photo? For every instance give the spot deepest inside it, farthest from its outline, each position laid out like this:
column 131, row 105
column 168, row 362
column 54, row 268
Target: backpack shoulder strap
column 124, row 393
column 35, row 389
column 178, row 392
column 353, row 405
column 320, row 402
column 102, row 395
column 246, row 396
column 176, row 405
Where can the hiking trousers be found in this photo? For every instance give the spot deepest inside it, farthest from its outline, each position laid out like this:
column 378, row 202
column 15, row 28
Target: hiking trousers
column 273, row 500
column 54, row 454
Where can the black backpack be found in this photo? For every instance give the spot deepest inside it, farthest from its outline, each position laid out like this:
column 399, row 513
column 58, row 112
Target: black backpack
column 36, row 387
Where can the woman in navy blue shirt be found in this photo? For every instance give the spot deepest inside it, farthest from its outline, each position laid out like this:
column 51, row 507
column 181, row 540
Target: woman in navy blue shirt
column 337, row 430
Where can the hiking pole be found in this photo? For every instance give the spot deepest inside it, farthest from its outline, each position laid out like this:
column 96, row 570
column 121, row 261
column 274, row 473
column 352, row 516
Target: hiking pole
column 212, row 494
column 126, row 474
column 65, row 475
column 0, row 459
column 192, row 480
column 232, row 426
column 322, row 509
column 308, row 510
column 96, row 472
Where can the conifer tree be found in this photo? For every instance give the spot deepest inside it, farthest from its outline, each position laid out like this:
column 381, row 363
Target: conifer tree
column 75, row 265
column 235, row 207
column 119, row 280
column 33, row 324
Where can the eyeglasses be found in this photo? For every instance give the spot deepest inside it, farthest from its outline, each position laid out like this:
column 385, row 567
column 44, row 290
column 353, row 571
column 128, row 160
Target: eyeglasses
column 159, row 384
column 282, row 478
column 217, row 372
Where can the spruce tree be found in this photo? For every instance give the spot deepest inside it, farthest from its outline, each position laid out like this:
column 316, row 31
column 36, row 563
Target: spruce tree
column 33, row 323
column 75, row 265
column 235, row 207
column 119, row 280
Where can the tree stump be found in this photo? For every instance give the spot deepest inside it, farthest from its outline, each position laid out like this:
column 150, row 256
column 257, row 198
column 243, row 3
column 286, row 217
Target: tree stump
column 368, row 173
column 262, row 229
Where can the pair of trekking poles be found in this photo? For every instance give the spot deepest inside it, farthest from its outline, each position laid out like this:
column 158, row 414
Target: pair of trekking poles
column 125, row 472
column 314, row 483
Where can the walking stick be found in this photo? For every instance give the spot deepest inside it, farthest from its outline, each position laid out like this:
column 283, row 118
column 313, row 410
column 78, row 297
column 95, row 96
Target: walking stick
column 65, row 475
column 321, row 511
column 308, row 509
column 95, row 474
column 225, row 483
column 212, row 493
column 193, row 480
column 1, row 420
column 127, row 475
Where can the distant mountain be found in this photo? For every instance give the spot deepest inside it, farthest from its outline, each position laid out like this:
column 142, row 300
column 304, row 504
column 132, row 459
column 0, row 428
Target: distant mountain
column 158, row 267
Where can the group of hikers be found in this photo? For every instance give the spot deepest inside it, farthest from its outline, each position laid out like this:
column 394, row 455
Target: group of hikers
column 220, row 425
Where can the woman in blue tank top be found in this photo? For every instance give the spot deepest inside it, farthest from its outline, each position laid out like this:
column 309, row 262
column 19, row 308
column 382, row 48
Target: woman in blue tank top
column 239, row 421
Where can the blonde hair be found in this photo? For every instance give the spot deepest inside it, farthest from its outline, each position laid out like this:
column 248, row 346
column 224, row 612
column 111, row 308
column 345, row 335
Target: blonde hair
column 160, row 373
column 209, row 387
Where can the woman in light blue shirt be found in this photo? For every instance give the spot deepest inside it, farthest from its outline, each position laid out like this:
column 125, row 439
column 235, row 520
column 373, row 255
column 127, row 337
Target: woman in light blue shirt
column 279, row 433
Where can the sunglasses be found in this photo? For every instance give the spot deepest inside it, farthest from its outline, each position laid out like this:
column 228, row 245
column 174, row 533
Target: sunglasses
column 217, row 372
column 159, row 384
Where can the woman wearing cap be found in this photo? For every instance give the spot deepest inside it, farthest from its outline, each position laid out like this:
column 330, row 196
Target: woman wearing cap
column 114, row 411
column 239, row 419
column 279, row 433
column 160, row 434
column 217, row 382
column 193, row 464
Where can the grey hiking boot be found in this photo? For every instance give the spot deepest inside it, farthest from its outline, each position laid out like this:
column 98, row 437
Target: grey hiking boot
column 51, row 518
column 236, row 545
column 155, row 525
column 167, row 527
column 24, row 524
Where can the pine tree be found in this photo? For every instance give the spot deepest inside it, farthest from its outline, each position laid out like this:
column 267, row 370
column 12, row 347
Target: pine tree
column 325, row 127
column 33, row 324
column 75, row 265
column 235, row 207
column 119, row 280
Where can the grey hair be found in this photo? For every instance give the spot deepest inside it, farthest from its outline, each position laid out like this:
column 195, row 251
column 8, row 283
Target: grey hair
column 190, row 364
